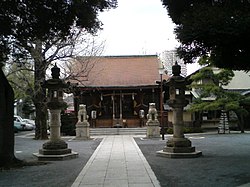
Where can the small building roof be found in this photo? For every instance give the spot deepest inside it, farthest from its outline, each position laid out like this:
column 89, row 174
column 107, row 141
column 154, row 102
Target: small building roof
column 240, row 81
column 123, row 71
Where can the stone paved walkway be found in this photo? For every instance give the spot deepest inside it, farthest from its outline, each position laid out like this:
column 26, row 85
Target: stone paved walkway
column 117, row 161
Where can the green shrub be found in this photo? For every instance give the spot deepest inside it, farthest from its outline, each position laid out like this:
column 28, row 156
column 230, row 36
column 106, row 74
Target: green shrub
column 187, row 130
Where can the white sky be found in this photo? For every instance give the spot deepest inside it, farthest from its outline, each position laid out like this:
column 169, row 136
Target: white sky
column 138, row 27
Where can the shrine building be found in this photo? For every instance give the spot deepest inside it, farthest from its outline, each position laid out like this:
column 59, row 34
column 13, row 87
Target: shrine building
column 117, row 90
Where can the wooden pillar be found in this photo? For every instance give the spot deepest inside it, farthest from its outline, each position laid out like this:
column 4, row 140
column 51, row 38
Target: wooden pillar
column 76, row 104
column 113, row 107
column 153, row 94
column 120, row 105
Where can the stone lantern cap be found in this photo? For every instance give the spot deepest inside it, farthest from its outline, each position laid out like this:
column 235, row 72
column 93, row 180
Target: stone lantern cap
column 55, row 88
column 176, row 69
column 177, row 86
column 176, row 80
column 55, row 83
column 55, row 72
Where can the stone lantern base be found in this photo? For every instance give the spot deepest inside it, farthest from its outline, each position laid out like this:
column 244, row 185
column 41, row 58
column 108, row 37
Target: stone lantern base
column 179, row 148
column 55, row 150
column 194, row 154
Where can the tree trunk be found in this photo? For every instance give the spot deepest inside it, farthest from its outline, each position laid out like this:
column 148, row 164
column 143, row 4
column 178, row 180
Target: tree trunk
column 39, row 98
column 7, row 156
column 40, row 103
column 241, row 122
column 41, row 117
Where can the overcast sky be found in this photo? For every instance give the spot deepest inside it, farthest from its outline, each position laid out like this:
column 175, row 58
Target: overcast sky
column 137, row 27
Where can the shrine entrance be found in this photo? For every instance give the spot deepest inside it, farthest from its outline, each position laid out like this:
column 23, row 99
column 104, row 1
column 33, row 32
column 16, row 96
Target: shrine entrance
column 120, row 108
column 117, row 107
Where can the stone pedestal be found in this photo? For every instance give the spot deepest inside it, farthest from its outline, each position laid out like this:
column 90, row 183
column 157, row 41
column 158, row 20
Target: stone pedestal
column 153, row 125
column 82, row 125
column 82, row 130
column 55, row 148
column 153, row 130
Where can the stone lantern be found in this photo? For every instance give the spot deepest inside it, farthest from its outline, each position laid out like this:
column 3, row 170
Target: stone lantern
column 55, row 148
column 178, row 146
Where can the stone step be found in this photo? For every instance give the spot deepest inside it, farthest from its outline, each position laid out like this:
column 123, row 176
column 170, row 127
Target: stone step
column 118, row 131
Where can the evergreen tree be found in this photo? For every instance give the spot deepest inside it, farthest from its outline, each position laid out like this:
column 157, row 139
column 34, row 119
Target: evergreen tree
column 208, row 83
column 218, row 29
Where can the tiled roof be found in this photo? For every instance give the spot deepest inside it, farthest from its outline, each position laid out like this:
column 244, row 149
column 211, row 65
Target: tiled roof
column 240, row 81
column 124, row 71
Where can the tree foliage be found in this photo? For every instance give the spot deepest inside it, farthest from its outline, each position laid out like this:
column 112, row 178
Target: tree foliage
column 218, row 29
column 208, row 84
column 28, row 29
column 21, row 79
column 44, row 18
column 25, row 21
column 25, row 24
column 33, row 29
column 209, row 87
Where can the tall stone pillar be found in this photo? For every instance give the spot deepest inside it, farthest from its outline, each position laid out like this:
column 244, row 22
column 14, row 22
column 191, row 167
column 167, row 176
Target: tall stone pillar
column 55, row 148
column 178, row 120
column 55, row 124
column 178, row 146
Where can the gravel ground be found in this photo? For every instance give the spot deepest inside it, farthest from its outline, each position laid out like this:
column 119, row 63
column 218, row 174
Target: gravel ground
column 52, row 173
column 225, row 161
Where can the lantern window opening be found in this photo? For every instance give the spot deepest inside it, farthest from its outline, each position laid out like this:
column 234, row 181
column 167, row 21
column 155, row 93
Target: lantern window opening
column 177, row 91
column 60, row 94
column 55, row 94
